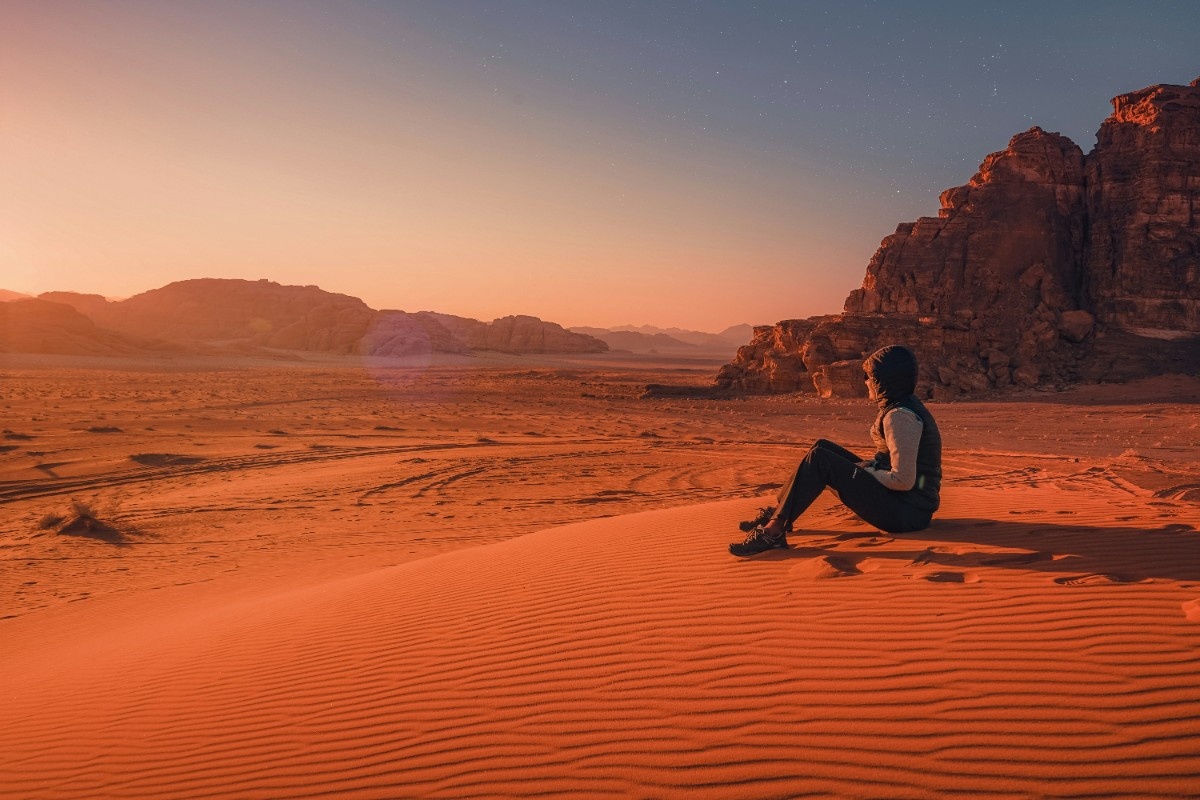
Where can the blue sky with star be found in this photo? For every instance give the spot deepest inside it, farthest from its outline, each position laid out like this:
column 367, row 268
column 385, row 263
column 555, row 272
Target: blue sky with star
column 697, row 164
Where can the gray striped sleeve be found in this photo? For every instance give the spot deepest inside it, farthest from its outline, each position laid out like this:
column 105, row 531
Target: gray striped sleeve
column 902, row 430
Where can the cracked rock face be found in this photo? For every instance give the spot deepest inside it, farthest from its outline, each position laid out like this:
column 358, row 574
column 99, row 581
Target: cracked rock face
column 1046, row 268
column 1143, row 187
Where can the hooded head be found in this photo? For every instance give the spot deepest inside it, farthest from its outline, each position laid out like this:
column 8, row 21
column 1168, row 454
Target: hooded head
column 894, row 370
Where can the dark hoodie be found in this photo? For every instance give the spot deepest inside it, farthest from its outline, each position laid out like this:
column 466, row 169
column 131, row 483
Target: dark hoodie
column 894, row 368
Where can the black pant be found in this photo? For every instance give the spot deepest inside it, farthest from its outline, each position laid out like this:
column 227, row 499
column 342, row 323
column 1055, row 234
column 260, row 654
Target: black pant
column 828, row 464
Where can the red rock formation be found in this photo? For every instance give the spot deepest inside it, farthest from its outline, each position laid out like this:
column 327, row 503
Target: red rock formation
column 772, row 362
column 524, row 334
column 396, row 333
column 261, row 312
column 1042, row 270
column 1022, row 211
column 1143, row 254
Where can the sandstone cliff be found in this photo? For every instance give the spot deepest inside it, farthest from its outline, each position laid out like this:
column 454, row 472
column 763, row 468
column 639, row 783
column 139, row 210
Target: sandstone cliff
column 1143, row 185
column 397, row 333
column 1046, row 268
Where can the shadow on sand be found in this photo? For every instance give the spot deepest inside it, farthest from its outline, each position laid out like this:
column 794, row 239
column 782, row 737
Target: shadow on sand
column 1077, row 554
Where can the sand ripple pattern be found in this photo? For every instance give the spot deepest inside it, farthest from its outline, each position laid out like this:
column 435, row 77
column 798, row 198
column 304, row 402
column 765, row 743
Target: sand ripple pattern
column 632, row 657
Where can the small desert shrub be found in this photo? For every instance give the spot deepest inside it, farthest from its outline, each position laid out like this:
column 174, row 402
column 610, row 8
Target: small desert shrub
column 51, row 520
column 81, row 519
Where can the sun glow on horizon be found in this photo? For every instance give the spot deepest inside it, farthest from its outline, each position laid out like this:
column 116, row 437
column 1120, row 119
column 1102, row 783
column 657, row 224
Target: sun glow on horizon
column 573, row 165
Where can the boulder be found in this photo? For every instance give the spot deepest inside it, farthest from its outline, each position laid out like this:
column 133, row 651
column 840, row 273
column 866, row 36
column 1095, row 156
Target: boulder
column 841, row 379
column 1074, row 326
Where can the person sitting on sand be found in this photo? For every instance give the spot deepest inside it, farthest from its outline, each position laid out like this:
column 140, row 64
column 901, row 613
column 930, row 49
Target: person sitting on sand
column 896, row 491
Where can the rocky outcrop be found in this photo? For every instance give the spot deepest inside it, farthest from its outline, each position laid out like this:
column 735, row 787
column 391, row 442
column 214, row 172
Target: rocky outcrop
column 1019, row 221
column 259, row 312
column 1143, row 187
column 396, row 333
column 6, row 295
column 1046, row 268
column 773, row 361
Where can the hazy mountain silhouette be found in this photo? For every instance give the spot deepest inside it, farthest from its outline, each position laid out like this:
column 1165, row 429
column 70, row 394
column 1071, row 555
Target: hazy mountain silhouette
column 240, row 316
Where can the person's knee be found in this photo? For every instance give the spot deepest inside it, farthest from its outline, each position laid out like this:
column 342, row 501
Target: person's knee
column 822, row 456
column 821, row 449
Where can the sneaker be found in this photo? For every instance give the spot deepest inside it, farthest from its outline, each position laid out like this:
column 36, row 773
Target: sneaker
column 758, row 541
column 764, row 516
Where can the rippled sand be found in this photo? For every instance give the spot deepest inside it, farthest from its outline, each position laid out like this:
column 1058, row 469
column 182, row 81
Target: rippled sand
column 346, row 579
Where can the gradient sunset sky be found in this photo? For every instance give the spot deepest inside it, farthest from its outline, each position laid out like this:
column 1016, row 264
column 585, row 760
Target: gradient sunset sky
column 696, row 164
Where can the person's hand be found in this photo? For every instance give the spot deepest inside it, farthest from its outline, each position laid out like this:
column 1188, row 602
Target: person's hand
column 866, row 464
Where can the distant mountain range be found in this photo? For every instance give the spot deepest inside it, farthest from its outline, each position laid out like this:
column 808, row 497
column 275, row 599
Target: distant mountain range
column 672, row 341
column 227, row 316
column 210, row 315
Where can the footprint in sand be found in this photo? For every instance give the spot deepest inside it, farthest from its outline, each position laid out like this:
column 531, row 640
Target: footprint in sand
column 1018, row 559
column 1191, row 610
column 1098, row 577
column 834, row 566
column 951, row 576
column 875, row 541
column 939, row 555
column 864, row 539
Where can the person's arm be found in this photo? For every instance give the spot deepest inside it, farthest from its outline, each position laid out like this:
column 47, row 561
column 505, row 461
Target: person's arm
column 902, row 430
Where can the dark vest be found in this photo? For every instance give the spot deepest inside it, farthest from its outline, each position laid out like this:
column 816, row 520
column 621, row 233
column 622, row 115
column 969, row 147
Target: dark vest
column 925, row 494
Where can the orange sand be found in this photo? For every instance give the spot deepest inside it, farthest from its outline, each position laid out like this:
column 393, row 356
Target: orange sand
column 362, row 609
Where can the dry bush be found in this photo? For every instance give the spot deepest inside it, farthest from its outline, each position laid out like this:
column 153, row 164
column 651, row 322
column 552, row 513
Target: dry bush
column 83, row 518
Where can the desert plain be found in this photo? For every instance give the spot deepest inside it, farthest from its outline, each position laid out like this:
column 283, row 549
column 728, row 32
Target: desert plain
column 507, row 576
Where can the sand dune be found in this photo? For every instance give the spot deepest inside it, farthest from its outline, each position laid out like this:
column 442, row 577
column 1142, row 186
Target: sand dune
column 348, row 580
column 1011, row 650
